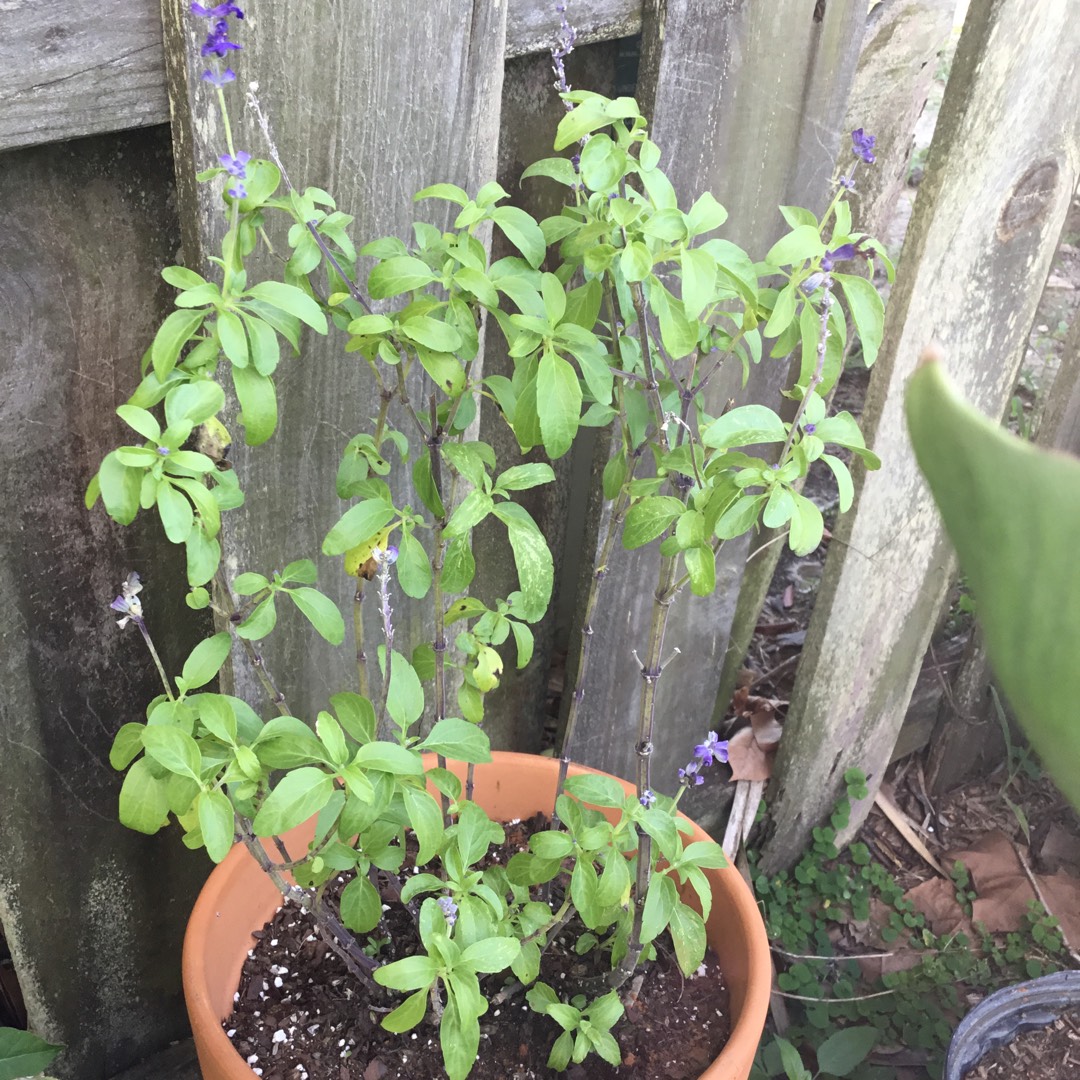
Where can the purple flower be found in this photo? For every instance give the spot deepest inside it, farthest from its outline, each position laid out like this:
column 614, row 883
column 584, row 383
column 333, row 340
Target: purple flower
column 809, row 428
column 712, row 747
column 647, row 798
column 128, row 603
column 847, row 182
column 692, row 773
column 219, row 11
column 862, row 146
column 217, row 80
column 449, row 910
column 164, row 451
column 217, row 41
column 385, row 555
column 830, row 258
column 236, row 166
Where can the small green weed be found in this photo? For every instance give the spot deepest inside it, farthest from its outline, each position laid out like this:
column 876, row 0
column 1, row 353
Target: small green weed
column 915, row 1008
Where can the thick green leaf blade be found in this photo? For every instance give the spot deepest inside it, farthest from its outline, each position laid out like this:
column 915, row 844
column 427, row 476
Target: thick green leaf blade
column 216, row 823
column 293, row 301
column 321, row 612
column 301, row 793
column 205, row 660
column 844, row 1049
column 23, row 1053
column 258, row 404
column 1013, row 513
column 558, row 403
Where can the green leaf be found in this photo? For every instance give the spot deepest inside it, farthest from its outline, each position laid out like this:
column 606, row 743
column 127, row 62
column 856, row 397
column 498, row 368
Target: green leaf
column 286, row 742
column 234, row 343
column 636, row 261
column 292, row 301
column 321, row 612
column 701, row 566
column 411, row 973
column 260, row 622
column 141, row 421
column 361, row 905
column 413, row 567
column 175, row 511
column 868, row 311
column 458, row 739
column 390, row 757
column 525, row 642
column 206, row 660
column 492, row 954
column 175, row 332
column 705, row 215
column 23, row 1054
column 301, row 794
column 356, row 715
column 459, row 1037
column 843, row 481
column 648, row 518
column 586, row 117
column 596, row 790
column 807, row 526
column 783, row 312
column 459, row 566
column 173, row 749
column 660, row 903
column 844, row 1049
column 127, row 745
column 802, row 243
column 119, row 487
column 523, row 477
column 265, row 351
column 532, row 558
column 556, row 168
column 1012, row 511
column 739, row 517
column 144, row 804
column 748, row 425
column 217, row 715
column 449, row 192
column 408, row 1014
column 558, row 402
column 470, row 512
column 425, row 816
column 699, row 280
column 688, row 936
column 432, row 333
column 216, row 823
column 359, row 524
column 521, row 229
column 258, row 404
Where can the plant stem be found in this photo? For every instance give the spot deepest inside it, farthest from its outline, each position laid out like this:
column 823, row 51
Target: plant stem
column 330, row 927
column 385, row 610
column 358, row 637
column 141, row 624
column 646, row 359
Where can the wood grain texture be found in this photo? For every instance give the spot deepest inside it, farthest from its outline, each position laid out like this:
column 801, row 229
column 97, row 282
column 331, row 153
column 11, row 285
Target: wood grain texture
column 1002, row 169
column 731, row 88
column 71, row 68
column 77, row 67
column 371, row 108
column 93, row 913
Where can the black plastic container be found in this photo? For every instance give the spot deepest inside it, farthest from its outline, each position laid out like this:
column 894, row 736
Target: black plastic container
column 1002, row 1016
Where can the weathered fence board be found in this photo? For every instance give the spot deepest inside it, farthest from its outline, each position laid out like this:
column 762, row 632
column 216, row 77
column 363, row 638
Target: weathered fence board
column 733, row 94
column 93, row 913
column 1001, row 172
column 892, row 81
column 69, row 68
column 409, row 104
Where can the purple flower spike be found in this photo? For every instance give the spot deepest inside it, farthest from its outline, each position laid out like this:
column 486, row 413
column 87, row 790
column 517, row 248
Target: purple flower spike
column 164, row 451
column 385, row 555
column 647, row 798
column 809, row 428
column 862, row 146
column 128, row 603
column 219, row 11
column 847, row 182
column 217, row 41
column 236, row 166
column 691, row 774
column 449, row 910
column 217, row 80
column 831, row 258
column 712, row 748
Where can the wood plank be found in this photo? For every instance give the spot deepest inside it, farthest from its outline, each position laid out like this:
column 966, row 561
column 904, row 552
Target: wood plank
column 349, row 114
column 733, row 96
column 93, row 913
column 1002, row 169
column 71, row 68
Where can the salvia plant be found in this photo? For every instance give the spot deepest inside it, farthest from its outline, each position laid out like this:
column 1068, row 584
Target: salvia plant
column 618, row 312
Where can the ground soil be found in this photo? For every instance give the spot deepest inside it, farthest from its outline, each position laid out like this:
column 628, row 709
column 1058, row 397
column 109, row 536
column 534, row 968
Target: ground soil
column 301, row 1016
column 1049, row 1053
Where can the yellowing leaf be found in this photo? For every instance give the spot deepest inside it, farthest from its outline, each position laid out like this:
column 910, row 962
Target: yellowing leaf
column 357, row 558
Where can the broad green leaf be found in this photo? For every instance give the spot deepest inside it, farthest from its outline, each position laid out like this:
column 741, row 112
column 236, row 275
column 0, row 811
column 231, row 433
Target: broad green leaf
column 449, row 192
column 705, row 215
column 802, row 243
column 206, row 660
column 234, row 342
column 390, row 757
column 783, row 312
column 556, row 168
column 843, row 481
column 868, row 311
column 807, row 525
column 127, row 746
column 360, row 905
column 701, row 566
column 175, row 332
column 1012, row 511
column 358, row 524
column 523, row 477
column 688, row 936
column 558, row 403
column 636, row 261
column 22, row 1053
column 425, row 817
column 293, row 301
column 432, row 333
column 286, row 742
column 216, row 823
column 844, row 1049
column 521, row 229
column 174, row 749
column 491, row 955
column 584, row 118
column 260, row 622
column 356, row 715
column 470, row 512
column 329, row 733
column 217, row 715
column 458, row 739
column 145, row 423
column 411, row 973
column 413, row 567
column 301, row 794
column 459, row 1038
column 175, row 511
column 747, row 425
column 408, row 1014
column 660, row 903
column 698, row 280
column 648, row 518
column 596, row 790
column 459, row 566
column 119, row 487
column 321, row 612
column 265, row 350
column 532, row 558
column 144, row 804
column 525, row 642
column 258, row 404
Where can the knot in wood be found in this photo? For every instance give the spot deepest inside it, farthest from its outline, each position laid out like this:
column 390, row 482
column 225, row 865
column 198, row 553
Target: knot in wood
column 644, row 748
column 1031, row 199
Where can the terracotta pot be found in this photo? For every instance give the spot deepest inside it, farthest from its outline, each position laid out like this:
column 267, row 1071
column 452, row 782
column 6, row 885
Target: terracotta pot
column 239, row 898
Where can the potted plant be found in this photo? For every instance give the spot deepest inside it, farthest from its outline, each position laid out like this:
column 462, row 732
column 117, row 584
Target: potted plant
column 398, row 771
column 1012, row 511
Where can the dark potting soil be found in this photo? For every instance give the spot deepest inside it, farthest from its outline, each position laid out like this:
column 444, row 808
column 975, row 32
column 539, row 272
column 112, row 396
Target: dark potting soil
column 1047, row 1053
column 300, row 1015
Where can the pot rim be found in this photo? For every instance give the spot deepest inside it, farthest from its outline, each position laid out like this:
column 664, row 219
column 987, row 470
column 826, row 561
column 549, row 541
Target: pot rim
column 749, row 1012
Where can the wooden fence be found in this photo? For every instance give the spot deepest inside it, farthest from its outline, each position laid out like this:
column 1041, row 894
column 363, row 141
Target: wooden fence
column 749, row 100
